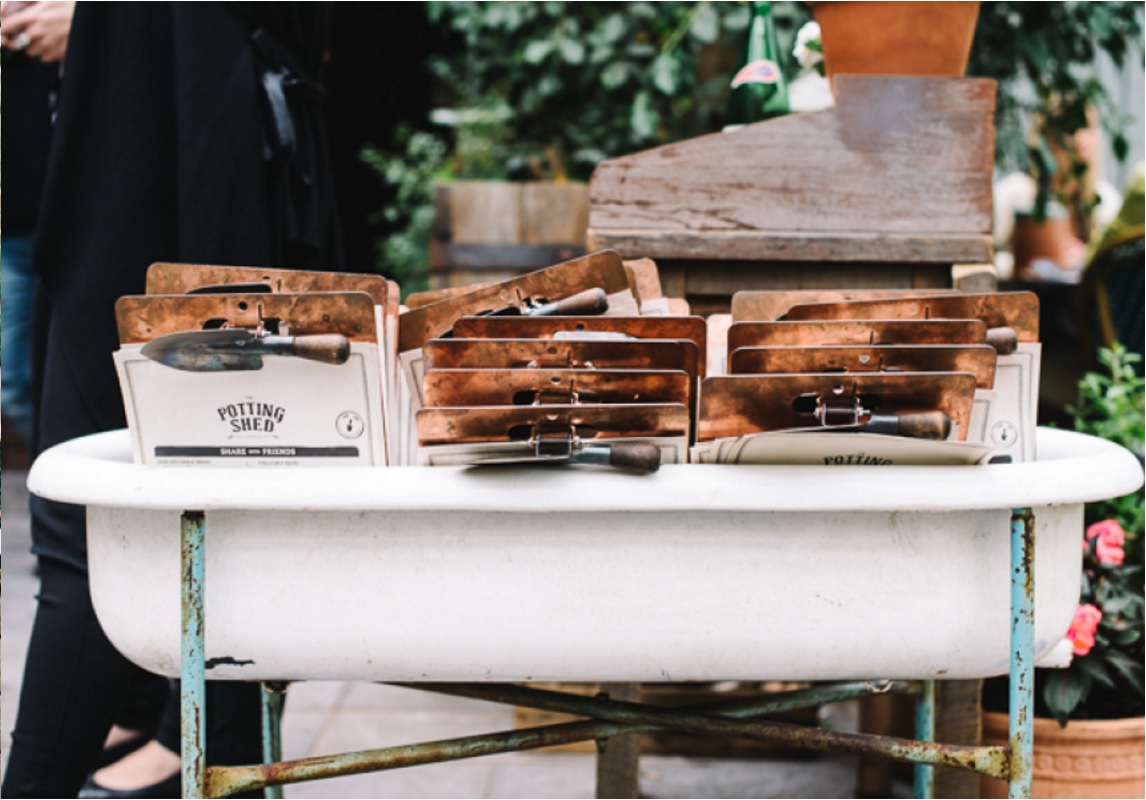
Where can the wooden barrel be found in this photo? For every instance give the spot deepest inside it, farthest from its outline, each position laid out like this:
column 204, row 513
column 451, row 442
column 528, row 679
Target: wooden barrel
column 488, row 231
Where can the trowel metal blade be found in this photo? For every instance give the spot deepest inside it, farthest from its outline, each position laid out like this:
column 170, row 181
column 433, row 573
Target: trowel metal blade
column 226, row 349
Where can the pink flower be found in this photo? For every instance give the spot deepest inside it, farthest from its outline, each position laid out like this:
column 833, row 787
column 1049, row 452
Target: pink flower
column 1110, row 538
column 1081, row 633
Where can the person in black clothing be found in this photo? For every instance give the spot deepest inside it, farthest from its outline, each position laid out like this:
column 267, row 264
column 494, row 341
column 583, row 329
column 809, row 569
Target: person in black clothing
column 34, row 37
column 185, row 132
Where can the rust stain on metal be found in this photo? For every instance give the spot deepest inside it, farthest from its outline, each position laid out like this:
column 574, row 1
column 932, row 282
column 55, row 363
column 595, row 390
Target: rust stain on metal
column 1025, row 614
column 211, row 663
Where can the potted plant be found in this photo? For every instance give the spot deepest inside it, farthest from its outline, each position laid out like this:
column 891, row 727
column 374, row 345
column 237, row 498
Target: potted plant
column 1051, row 104
column 1043, row 232
column 1089, row 722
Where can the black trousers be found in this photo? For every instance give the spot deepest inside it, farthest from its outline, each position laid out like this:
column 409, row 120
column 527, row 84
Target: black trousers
column 76, row 686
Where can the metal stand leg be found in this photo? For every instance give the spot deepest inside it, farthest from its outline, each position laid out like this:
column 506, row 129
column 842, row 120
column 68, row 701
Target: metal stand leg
column 618, row 758
column 1022, row 684
column 611, row 718
column 272, row 707
column 192, row 677
column 925, row 732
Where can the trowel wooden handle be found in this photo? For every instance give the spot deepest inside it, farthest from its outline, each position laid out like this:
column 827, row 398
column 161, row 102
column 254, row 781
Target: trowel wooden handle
column 327, row 348
column 590, row 302
column 933, row 425
column 629, row 456
column 1004, row 340
column 643, row 458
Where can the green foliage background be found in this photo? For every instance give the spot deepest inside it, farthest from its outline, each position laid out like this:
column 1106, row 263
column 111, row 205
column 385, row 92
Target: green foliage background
column 525, row 86
column 1040, row 50
column 1107, row 682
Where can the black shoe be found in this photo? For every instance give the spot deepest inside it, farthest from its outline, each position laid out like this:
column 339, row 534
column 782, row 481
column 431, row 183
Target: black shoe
column 166, row 788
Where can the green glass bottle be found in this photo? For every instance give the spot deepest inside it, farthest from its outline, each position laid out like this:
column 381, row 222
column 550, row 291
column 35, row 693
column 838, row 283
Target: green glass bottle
column 758, row 91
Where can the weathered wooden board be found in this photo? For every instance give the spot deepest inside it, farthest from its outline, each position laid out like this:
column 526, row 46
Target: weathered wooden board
column 779, row 245
column 899, row 170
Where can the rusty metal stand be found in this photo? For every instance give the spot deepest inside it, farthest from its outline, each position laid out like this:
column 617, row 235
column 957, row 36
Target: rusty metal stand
column 271, row 702
column 193, row 683
column 1021, row 701
column 611, row 718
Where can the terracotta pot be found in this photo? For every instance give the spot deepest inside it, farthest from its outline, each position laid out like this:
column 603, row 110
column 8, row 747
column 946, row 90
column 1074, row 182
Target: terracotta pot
column 1033, row 239
column 1087, row 758
column 887, row 38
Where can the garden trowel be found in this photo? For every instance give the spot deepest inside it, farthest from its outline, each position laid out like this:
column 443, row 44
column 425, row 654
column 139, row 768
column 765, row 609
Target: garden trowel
column 227, row 349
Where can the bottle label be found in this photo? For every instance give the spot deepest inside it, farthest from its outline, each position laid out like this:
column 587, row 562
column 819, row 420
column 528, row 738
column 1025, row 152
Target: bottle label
column 762, row 71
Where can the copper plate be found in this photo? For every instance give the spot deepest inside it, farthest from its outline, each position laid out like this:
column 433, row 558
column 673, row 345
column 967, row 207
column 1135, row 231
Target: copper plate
column 768, row 306
column 739, row 405
column 518, row 423
column 141, row 318
column 1017, row 310
column 602, row 270
column 691, row 328
column 979, row 360
column 169, row 278
column 839, row 332
column 507, row 387
column 559, row 353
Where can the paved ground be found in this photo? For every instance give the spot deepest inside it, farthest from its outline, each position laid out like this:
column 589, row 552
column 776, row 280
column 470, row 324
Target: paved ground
column 324, row 718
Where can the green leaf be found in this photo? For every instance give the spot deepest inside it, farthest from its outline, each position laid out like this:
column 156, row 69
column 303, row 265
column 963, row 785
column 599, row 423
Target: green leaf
column 548, row 85
column 1129, row 668
column 738, row 17
column 1120, row 145
column 1117, row 604
column 538, row 51
column 613, row 28
column 1063, row 692
column 646, row 10
column 640, row 49
column 572, row 51
column 705, row 25
column 643, row 118
column 1122, row 637
column 589, row 155
column 666, row 73
column 615, row 75
column 1091, row 666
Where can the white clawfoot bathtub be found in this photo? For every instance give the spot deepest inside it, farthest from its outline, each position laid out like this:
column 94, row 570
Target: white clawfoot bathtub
column 697, row 572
